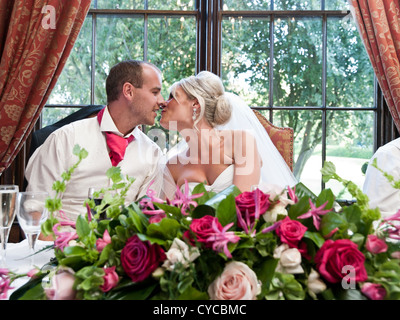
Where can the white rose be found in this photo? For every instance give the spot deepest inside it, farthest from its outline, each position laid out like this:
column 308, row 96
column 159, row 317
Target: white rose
column 272, row 214
column 289, row 259
column 179, row 252
column 314, row 284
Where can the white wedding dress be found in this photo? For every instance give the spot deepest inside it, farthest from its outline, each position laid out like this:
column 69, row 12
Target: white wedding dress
column 273, row 171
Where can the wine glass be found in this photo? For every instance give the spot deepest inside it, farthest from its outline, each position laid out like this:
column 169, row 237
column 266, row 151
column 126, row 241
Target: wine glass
column 8, row 209
column 31, row 215
column 97, row 201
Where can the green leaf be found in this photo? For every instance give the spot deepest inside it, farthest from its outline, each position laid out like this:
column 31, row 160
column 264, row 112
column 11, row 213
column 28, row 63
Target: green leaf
column 193, row 294
column 74, row 251
column 315, row 237
column 331, row 221
column 226, row 211
column 82, row 227
column 203, row 210
column 265, row 272
column 32, row 290
column 302, row 191
column 166, row 229
column 216, row 200
column 324, row 196
column 132, row 291
column 302, row 206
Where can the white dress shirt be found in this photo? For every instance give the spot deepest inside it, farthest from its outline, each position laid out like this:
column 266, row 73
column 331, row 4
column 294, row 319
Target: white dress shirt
column 55, row 156
column 377, row 187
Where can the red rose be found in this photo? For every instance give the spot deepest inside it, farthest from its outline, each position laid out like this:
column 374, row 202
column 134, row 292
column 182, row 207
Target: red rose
column 332, row 258
column 291, row 232
column 139, row 259
column 246, row 204
column 202, row 228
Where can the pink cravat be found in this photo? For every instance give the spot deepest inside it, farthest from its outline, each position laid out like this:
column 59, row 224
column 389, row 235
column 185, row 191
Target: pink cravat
column 116, row 143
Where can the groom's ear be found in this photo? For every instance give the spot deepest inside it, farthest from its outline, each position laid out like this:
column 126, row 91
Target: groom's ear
column 128, row 90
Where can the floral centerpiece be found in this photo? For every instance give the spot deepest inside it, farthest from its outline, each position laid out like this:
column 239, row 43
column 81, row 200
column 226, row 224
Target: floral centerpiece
column 271, row 243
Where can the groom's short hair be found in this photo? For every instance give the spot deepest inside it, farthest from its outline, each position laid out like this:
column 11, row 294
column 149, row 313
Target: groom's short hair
column 125, row 71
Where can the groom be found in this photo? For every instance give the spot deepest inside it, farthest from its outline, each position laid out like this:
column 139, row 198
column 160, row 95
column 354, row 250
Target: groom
column 133, row 98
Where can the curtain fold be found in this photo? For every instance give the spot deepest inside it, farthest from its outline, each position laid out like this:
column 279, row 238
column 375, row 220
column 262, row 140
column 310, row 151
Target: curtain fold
column 378, row 23
column 36, row 38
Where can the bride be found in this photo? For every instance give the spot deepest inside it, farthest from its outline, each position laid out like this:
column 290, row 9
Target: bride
column 223, row 143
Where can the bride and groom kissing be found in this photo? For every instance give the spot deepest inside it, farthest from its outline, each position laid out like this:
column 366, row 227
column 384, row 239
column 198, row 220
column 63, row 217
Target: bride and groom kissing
column 223, row 143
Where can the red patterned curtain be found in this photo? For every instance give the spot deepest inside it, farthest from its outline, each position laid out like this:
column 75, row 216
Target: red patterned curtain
column 378, row 22
column 36, row 38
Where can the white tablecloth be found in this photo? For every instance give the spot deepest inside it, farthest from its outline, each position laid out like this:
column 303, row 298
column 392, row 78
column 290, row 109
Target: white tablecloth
column 19, row 261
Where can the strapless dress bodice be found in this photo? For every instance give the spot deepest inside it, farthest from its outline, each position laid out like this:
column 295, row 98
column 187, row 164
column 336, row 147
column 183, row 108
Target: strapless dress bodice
column 223, row 181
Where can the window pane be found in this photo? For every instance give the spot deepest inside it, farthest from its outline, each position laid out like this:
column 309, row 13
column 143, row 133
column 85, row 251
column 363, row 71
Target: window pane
column 52, row 115
column 245, row 58
column 171, row 4
column 172, row 48
column 298, row 62
column 307, row 126
column 350, row 76
column 297, row 5
column 350, row 144
column 125, row 40
column 235, row 5
column 73, row 85
column 337, row 5
column 120, row 4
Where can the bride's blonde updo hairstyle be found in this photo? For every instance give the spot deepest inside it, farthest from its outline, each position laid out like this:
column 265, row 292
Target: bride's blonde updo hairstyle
column 209, row 91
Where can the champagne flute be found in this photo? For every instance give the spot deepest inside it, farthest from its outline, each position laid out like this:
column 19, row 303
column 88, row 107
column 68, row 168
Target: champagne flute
column 8, row 210
column 31, row 214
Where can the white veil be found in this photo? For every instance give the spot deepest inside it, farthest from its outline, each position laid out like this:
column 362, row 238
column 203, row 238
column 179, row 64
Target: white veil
column 274, row 169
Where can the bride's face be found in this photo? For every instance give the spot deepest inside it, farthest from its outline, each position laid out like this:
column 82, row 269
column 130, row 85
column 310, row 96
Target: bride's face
column 177, row 112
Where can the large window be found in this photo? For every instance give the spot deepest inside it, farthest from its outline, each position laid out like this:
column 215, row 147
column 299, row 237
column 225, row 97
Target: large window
column 301, row 63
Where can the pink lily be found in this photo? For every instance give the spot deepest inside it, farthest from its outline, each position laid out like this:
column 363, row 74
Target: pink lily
column 151, row 197
column 149, row 202
column 63, row 238
column 101, row 243
column 89, row 212
column 292, row 194
column 185, row 199
column 221, row 238
column 392, row 225
column 273, row 227
column 4, row 283
column 315, row 213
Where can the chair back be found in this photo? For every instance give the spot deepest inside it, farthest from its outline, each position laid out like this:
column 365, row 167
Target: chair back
column 281, row 137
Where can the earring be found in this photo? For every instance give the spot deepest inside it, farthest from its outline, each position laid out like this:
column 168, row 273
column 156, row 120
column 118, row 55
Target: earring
column 194, row 116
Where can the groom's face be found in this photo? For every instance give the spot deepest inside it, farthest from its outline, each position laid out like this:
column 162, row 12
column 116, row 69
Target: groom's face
column 147, row 99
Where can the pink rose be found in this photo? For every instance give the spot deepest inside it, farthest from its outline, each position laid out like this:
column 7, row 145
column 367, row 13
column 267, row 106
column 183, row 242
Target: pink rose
column 375, row 245
column 62, row 286
column 373, row 291
column 246, row 204
column 291, row 232
column 139, row 259
column 202, row 228
column 333, row 256
column 237, row 282
column 110, row 279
